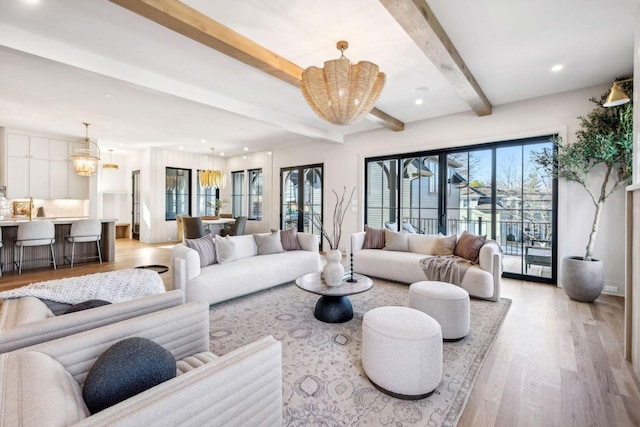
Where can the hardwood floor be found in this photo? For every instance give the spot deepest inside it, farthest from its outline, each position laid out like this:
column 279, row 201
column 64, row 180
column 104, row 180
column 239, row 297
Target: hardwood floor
column 555, row 362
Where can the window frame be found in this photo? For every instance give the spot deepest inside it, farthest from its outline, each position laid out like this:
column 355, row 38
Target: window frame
column 254, row 194
column 170, row 214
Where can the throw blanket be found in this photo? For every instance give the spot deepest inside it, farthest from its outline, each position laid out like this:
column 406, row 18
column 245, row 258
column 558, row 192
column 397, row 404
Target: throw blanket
column 449, row 268
column 112, row 286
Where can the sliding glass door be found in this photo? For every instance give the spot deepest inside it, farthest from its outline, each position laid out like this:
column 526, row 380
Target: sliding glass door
column 492, row 189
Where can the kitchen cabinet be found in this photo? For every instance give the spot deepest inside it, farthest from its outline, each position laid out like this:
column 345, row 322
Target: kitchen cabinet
column 42, row 168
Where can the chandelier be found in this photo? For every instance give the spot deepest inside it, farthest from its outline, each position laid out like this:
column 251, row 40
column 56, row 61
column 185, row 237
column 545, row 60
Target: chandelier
column 342, row 93
column 85, row 155
column 213, row 178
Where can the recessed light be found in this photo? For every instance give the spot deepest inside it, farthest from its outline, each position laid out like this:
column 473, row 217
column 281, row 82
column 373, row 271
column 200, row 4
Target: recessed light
column 222, row 154
column 31, row 1
column 557, row 67
column 202, row 141
column 419, row 101
column 244, row 157
column 121, row 145
column 181, row 147
column 269, row 152
column 246, row 148
column 107, row 95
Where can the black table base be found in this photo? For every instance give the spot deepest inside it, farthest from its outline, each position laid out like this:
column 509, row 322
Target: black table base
column 332, row 309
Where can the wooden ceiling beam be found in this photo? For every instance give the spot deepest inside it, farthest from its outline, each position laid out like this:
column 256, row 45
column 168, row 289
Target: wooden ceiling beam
column 190, row 23
column 417, row 19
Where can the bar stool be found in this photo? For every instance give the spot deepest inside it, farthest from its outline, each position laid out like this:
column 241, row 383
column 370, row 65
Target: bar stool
column 84, row 230
column 36, row 233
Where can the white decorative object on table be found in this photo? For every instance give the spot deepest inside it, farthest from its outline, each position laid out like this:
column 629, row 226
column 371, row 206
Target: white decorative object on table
column 333, row 271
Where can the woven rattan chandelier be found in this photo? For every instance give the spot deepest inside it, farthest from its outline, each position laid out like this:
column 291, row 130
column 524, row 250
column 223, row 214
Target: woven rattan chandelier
column 342, row 93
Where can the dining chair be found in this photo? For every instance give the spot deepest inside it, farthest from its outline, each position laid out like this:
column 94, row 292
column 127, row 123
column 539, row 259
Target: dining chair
column 180, row 225
column 236, row 228
column 193, row 227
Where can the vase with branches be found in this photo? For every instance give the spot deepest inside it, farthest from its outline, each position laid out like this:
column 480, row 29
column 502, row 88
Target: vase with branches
column 333, row 271
column 217, row 205
column 600, row 160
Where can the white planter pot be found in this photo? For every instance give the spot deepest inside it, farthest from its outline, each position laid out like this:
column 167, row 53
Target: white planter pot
column 581, row 280
column 333, row 271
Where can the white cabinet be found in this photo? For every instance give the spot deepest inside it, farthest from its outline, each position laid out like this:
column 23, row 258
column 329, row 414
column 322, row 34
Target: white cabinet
column 42, row 168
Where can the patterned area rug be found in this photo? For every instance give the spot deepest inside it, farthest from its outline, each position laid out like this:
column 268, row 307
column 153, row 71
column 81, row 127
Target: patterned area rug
column 323, row 381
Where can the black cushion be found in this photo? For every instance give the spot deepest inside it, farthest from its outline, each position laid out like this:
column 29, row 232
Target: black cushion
column 85, row 305
column 125, row 369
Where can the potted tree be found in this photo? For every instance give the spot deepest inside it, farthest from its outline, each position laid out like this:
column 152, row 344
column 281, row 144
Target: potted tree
column 600, row 160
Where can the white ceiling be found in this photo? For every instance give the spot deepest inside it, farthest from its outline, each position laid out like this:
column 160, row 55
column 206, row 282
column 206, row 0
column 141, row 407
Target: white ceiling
column 58, row 58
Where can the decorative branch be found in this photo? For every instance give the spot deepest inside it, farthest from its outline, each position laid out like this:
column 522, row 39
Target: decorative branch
column 339, row 212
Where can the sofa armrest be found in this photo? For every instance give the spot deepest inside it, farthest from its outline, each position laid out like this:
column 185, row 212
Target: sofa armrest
column 183, row 330
column 490, row 260
column 241, row 388
column 308, row 242
column 357, row 241
column 33, row 333
column 191, row 258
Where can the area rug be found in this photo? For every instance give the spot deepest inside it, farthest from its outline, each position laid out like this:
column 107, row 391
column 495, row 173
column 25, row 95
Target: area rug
column 323, row 381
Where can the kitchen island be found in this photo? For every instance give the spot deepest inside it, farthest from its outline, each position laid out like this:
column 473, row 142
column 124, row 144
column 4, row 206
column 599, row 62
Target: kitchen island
column 41, row 253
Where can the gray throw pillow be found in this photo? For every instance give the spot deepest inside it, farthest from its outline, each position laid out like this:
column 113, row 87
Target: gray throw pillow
column 205, row 246
column 268, row 243
column 225, row 249
column 396, row 240
column 373, row 238
column 125, row 369
column 289, row 239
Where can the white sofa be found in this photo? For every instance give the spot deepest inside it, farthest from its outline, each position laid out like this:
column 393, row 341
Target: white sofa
column 481, row 280
column 42, row 384
column 249, row 273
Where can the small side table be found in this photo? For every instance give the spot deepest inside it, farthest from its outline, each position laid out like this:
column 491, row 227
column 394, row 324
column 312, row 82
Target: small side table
column 333, row 306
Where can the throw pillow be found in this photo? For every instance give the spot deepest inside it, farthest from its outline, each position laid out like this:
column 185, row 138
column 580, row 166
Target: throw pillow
column 373, row 238
column 289, row 239
column 226, row 249
column 409, row 227
column 125, row 369
column 396, row 240
column 85, row 305
column 205, row 246
column 445, row 245
column 268, row 243
column 469, row 245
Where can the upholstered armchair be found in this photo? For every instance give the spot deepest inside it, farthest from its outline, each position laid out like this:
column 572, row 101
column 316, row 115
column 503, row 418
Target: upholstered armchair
column 42, row 384
column 28, row 321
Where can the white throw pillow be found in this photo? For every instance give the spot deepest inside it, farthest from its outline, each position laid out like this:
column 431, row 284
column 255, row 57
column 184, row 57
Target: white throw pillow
column 225, row 249
column 269, row 243
column 396, row 241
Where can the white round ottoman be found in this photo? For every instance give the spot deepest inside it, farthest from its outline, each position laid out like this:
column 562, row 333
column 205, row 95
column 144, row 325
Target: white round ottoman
column 447, row 303
column 402, row 351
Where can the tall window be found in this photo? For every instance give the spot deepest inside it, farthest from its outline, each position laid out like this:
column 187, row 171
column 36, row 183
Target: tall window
column 177, row 192
column 237, row 192
column 255, row 194
column 204, row 195
column 490, row 189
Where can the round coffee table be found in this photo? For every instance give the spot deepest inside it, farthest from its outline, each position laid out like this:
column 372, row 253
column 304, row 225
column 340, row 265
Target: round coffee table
column 333, row 306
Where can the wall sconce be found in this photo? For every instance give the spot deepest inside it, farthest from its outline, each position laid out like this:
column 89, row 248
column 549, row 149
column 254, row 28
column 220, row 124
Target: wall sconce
column 617, row 95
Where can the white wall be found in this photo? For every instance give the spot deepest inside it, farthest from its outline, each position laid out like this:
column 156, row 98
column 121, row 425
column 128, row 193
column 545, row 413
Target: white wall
column 557, row 113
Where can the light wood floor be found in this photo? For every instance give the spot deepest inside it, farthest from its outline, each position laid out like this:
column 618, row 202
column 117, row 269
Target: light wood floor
column 555, row 362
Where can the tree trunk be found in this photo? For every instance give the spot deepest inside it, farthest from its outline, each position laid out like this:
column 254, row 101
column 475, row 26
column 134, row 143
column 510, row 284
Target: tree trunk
column 594, row 231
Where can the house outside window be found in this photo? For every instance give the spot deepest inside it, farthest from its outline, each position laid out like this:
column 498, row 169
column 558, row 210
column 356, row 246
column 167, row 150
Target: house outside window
column 204, row 195
column 255, row 195
column 237, row 192
column 177, row 192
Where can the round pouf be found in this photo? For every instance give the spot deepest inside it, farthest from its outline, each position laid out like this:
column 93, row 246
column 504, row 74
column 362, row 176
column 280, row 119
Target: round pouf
column 402, row 351
column 447, row 303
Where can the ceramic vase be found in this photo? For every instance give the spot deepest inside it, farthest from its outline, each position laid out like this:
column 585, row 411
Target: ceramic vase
column 333, row 271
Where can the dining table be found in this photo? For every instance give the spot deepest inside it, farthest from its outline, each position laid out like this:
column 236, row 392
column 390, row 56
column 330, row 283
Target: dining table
column 215, row 225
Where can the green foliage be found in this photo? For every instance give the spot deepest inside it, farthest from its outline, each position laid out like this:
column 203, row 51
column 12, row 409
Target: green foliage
column 604, row 140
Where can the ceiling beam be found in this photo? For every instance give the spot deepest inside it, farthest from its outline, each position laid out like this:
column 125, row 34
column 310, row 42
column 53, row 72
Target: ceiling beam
column 190, row 23
column 417, row 19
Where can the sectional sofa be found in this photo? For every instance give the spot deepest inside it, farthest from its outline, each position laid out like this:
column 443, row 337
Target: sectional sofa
column 257, row 263
column 481, row 280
